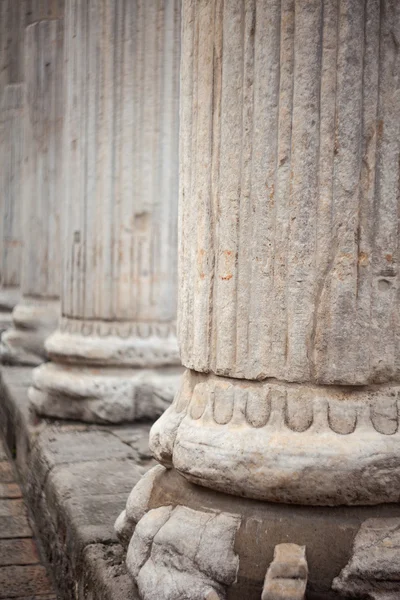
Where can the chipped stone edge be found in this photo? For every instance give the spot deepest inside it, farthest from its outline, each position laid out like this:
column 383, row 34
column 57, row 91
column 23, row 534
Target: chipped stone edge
column 83, row 574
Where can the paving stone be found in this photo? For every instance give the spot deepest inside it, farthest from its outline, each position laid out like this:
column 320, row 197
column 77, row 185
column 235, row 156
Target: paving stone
column 95, row 477
column 14, row 527
column 18, row 552
column 93, row 518
column 10, row 508
column 74, row 447
column 105, row 576
column 77, row 481
column 17, row 581
column 6, row 472
column 10, row 490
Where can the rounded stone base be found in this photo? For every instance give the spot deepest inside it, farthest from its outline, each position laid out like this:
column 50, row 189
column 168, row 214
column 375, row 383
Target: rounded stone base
column 114, row 344
column 327, row 533
column 283, row 442
column 104, row 395
column 33, row 321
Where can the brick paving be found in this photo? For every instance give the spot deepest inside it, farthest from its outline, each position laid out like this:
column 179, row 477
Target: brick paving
column 22, row 577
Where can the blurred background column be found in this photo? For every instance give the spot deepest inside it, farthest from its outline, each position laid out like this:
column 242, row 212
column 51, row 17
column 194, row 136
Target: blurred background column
column 115, row 355
column 11, row 153
column 36, row 315
column 11, row 99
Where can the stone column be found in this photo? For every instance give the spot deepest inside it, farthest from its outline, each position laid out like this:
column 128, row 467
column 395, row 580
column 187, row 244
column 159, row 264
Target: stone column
column 36, row 315
column 289, row 253
column 11, row 151
column 11, row 63
column 115, row 355
column 11, row 41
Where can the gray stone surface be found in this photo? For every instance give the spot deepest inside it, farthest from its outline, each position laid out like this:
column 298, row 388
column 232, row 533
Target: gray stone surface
column 36, row 315
column 373, row 571
column 104, row 576
column 137, row 504
column 286, row 578
column 76, row 479
column 104, row 396
column 117, row 335
column 11, row 149
column 179, row 553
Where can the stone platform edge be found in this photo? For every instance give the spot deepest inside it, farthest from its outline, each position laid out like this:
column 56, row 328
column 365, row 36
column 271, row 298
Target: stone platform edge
column 75, row 479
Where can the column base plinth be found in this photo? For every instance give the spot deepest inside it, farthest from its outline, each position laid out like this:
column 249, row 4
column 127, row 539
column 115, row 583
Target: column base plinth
column 9, row 298
column 103, row 395
column 114, row 344
column 281, row 442
column 248, row 532
column 33, row 321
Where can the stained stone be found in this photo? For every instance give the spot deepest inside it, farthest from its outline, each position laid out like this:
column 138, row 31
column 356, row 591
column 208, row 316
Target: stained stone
column 36, row 315
column 286, row 578
column 288, row 308
column 11, row 147
column 182, row 553
column 289, row 294
column 115, row 347
column 373, row 571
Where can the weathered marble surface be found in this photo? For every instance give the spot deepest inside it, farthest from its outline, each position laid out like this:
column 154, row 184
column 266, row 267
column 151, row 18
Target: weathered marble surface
column 120, row 211
column 295, row 443
column 11, row 149
column 373, row 572
column 15, row 16
column 36, row 315
column 105, row 395
column 289, row 243
column 288, row 316
column 181, row 553
column 286, row 578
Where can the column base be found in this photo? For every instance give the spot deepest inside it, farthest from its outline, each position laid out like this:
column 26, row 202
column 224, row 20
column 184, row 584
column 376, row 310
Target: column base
column 248, row 533
column 9, row 298
column 114, row 344
column 103, row 395
column 33, row 321
column 282, row 442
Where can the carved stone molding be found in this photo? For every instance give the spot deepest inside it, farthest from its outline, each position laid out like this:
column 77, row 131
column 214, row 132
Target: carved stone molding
column 327, row 532
column 103, row 395
column 120, row 213
column 114, row 343
column 284, row 442
column 33, row 321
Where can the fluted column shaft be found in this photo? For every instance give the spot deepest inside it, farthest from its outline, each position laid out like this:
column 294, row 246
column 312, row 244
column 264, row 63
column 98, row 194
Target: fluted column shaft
column 120, row 217
column 36, row 315
column 11, row 151
column 289, row 248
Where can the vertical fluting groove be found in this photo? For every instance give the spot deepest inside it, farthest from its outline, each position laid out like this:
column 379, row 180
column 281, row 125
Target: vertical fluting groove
column 121, row 267
column 11, row 145
column 288, row 258
column 266, row 102
column 279, row 337
column 185, row 250
column 242, row 261
column 43, row 131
